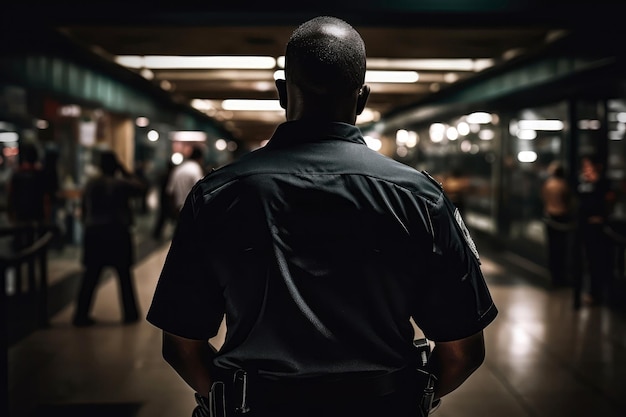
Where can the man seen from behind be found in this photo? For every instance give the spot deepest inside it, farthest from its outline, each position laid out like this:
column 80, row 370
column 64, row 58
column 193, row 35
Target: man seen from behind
column 318, row 251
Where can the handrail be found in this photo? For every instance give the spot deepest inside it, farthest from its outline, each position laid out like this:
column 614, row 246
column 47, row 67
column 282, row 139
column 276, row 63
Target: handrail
column 34, row 254
column 28, row 253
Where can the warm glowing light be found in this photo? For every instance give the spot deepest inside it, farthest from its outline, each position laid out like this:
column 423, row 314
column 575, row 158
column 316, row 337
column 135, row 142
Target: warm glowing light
column 142, row 121
column 202, row 105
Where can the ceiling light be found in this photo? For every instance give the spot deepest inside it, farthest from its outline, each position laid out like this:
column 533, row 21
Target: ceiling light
column 188, row 136
column 9, row 137
column 251, row 105
column 391, row 76
column 430, row 64
column 479, row 118
column 196, row 62
column 540, row 125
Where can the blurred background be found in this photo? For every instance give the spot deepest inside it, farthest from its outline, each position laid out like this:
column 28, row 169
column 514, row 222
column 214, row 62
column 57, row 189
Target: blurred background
column 484, row 95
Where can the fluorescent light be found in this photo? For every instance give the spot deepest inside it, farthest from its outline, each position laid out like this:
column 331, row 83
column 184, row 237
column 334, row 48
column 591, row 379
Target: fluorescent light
column 188, row 136
column 196, row 62
column 375, row 76
column 462, row 64
column 391, row 76
column 430, row 64
column 479, row 118
column 540, row 125
column 527, row 156
column 527, row 134
column 251, row 105
column 9, row 136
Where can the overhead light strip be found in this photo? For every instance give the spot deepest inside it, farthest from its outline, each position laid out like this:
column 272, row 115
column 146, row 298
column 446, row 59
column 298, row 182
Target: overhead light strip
column 375, row 76
column 196, row 62
column 251, row 105
column 161, row 62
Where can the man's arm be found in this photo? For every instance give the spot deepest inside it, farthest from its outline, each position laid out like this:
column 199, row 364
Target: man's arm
column 453, row 362
column 191, row 359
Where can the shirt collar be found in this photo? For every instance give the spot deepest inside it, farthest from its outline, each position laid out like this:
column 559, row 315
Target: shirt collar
column 299, row 131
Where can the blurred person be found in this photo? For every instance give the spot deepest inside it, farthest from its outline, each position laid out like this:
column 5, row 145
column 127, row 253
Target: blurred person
column 141, row 174
column 165, row 209
column 185, row 176
column 28, row 197
column 594, row 199
column 456, row 185
column 318, row 251
column 53, row 190
column 557, row 198
column 108, row 218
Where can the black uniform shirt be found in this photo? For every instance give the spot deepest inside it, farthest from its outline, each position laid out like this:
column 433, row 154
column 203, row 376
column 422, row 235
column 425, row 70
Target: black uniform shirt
column 318, row 250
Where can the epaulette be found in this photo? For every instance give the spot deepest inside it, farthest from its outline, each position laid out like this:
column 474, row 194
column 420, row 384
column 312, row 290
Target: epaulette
column 433, row 180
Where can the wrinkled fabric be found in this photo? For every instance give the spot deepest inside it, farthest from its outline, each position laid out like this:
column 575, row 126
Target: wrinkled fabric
column 318, row 250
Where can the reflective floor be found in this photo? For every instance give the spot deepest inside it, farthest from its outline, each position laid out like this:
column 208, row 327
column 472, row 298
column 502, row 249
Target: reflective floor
column 543, row 359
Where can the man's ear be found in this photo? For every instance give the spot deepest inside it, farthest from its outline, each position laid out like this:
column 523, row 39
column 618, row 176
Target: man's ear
column 281, row 86
column 364, row 93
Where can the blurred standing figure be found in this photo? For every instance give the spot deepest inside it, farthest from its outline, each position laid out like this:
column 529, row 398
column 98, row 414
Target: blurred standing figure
column 165, row 209
column 319, row 251
column 184, row 177
column 108, row 217
column 456, row 186
column 557, row 198
column 594, row 198
column 28, row 198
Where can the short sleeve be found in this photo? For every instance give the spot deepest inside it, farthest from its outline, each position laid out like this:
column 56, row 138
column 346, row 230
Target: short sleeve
column 454, row 300
column 188, row 300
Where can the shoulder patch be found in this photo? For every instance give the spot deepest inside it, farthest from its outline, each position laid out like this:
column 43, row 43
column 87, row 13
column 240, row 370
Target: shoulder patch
column 433, row 180
column 466, row 233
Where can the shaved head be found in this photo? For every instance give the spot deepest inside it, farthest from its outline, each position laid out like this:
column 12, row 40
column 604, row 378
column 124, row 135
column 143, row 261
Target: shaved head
column 325, row 56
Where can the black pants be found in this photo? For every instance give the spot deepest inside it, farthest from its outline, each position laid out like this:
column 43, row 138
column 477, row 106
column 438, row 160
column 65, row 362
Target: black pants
column 559, row 233
column 392, row 405
column 88, row 287
column 597, row 252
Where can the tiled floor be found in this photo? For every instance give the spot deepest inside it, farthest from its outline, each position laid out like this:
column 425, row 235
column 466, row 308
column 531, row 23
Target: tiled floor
column 544, row 359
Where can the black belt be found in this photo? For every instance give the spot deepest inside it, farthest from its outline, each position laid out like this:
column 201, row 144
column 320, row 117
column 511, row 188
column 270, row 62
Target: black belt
column 328, row 390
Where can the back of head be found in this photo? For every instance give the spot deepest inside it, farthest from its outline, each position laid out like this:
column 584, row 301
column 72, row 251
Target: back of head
column 196, row 154
column 108, row 163
column 556, row 169
column 325, row 56
column 28, row 153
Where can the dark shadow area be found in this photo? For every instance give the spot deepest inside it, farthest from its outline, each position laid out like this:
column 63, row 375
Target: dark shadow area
column 87, row 410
